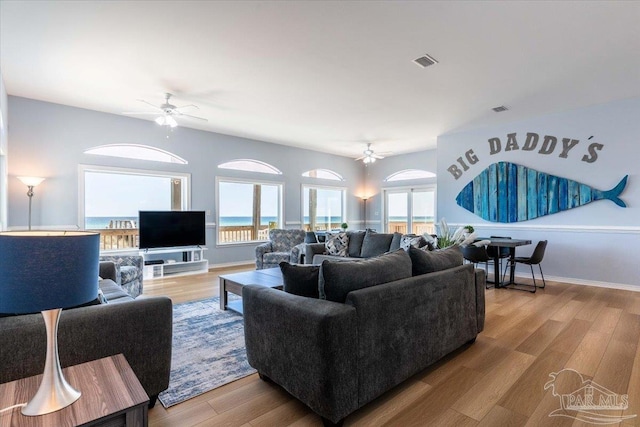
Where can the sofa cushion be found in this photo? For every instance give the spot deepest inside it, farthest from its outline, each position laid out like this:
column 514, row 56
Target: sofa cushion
column 425, row 261
column 375, row 244
column 300, row 279
column 337, row 244
column 337, row 279
column 355, row 243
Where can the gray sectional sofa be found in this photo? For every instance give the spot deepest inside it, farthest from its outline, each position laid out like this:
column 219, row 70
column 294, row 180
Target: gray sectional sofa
column 382, row 321
column 361, row 245
column 139, row 328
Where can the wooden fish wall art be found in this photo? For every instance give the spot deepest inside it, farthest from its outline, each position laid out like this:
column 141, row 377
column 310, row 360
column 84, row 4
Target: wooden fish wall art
column 508, row 192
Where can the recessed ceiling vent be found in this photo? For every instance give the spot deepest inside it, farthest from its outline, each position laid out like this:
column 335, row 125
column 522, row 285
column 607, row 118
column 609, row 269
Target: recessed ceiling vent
column 425, row 61
column 500, row 109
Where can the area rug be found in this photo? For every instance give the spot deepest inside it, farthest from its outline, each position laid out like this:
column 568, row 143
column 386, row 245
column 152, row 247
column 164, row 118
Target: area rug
column 208, row 350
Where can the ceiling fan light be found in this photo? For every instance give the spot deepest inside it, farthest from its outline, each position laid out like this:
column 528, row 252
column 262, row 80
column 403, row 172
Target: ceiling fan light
column 170, row 121
column 160, row 120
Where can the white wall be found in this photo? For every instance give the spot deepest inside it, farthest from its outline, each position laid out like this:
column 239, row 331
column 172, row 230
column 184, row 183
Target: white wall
column 593, row 243
column 49, row 140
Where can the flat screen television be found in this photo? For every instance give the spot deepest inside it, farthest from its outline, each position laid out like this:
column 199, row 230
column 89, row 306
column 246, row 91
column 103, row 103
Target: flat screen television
column 167, row 229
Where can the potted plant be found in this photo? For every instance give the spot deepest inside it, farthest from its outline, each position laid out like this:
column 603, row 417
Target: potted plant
column 344, row 226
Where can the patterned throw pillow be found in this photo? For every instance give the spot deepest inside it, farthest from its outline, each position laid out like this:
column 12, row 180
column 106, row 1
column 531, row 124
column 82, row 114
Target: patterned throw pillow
column 415, row 241
column 337, row 244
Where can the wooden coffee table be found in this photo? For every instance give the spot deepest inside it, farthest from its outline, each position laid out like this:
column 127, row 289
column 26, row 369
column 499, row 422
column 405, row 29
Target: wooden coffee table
column 269, row 277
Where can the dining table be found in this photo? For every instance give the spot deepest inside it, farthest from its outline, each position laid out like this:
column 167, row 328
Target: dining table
column 501, row 242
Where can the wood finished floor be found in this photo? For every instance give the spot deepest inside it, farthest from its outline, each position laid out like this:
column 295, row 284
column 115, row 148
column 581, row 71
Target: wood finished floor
column 497, row 381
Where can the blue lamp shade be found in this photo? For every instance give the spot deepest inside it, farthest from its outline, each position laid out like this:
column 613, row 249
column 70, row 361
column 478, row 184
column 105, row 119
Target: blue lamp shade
column 44, row 270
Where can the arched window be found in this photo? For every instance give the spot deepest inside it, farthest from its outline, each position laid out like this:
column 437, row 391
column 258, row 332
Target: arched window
column 250, row 165
column 408, row 174
column 136, row 151
column 323, row 174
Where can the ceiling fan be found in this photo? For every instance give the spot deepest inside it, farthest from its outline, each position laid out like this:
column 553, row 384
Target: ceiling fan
column 167, row 112
column 369, row 156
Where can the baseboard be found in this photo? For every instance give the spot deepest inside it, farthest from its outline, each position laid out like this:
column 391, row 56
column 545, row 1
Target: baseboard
column 583, row 282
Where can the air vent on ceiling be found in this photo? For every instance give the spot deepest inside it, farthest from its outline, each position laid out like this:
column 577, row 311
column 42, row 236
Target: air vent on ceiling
column 500, row 109
column 425, row 61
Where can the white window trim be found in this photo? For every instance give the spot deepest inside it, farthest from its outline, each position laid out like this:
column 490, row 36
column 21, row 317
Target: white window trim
column 281, row 199
column 406, row 189
column 326, row 187
column 186, row 200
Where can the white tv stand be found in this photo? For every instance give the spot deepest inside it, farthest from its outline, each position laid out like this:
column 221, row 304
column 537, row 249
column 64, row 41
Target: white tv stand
column 176, row 261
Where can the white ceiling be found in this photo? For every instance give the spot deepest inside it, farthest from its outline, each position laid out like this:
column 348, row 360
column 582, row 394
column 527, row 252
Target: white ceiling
column 328, row 76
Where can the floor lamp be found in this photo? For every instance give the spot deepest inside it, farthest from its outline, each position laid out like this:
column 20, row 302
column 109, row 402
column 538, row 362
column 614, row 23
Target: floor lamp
column 47, row 271
column 30, row 182
column 364, row 199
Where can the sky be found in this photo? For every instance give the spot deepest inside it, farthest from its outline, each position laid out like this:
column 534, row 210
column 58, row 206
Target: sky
column 131, row 193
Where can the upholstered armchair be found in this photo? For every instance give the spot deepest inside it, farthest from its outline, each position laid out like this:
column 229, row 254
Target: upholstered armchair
column 283, row 245
column 129, row 272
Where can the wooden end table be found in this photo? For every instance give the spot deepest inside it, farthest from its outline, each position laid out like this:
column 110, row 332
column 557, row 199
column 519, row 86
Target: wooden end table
column 270, row 277
column 111, row 396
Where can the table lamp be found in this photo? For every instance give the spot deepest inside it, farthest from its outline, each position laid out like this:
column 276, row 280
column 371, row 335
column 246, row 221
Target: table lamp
column 47, row 271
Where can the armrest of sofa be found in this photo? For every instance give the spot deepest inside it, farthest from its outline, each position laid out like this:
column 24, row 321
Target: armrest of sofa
column 313, row 249
column 481, row 283
column 139, row 329
column 108, row 271
column 308, row 346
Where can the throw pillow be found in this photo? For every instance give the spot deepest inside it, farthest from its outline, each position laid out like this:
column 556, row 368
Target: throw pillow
column 337, row 279
column 375, row 244
column 300, row 280
column 395, row 242
column 337, row 244
column 412, row 240
column 425, row 261
column 355, row 243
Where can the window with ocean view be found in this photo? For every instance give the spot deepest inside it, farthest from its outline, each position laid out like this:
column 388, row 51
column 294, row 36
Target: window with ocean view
column 323, row 208
column 409, row 210
column 247, row 210
column 110, row 199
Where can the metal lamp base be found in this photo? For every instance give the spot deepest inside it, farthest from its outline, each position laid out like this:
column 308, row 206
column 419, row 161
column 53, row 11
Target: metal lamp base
column 55, row 392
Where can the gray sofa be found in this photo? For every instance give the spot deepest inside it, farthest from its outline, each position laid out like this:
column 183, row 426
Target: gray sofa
column 336, row 357
column 361, row 245
column 140, row 328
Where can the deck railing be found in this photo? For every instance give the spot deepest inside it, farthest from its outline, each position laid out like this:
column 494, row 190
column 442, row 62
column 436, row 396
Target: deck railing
column 118, row 238
column 128, row 238
column 418, row 227
column 241, row 233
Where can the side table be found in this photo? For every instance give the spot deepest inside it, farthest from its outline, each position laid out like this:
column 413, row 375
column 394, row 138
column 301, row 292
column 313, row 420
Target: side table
column 111, row 396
